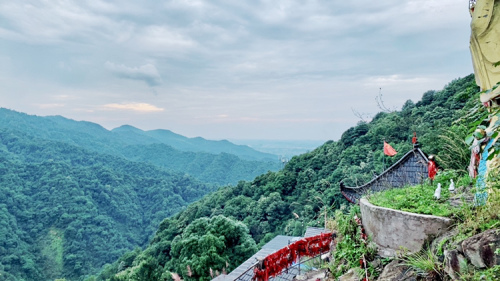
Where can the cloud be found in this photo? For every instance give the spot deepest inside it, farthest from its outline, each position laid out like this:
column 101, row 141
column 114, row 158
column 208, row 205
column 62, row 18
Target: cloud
column 161, row 38
column 50, row 105
column 395, row 79
column 54, row 22
column 147, row 73
column 279, row 61
column 139, row 107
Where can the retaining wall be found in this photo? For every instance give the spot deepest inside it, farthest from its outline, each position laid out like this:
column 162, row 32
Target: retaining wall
column 392, row 229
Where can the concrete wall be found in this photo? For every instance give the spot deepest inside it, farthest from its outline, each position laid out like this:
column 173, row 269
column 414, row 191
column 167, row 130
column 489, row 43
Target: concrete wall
column 392, row 229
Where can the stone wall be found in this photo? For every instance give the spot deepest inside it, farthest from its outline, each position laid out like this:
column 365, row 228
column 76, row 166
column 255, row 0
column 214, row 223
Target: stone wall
column 391, row 229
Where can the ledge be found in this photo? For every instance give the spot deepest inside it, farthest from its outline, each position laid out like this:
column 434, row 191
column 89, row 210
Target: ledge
column 393, row 230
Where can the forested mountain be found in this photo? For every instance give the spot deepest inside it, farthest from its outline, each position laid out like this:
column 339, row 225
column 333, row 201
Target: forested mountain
column 221, row 169
column 134, row 135
column 284, row 202
column 215, row 162
column 94, row 137
column 65, row 211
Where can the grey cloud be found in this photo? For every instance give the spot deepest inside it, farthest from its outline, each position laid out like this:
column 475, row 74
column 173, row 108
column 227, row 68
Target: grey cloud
column 147, row 73
column 236, row 58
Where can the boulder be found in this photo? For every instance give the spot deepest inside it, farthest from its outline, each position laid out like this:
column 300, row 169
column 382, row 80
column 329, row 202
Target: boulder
column 396, row 271
column 455, row 263
column 480, row 249
column 441, row 242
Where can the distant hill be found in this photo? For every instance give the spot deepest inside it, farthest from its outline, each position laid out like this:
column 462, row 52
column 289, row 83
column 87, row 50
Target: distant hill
column 215, row 162
column 95, row 137
column 283, row 148
column 134, row 135
column 84, row 134
column 220, row 169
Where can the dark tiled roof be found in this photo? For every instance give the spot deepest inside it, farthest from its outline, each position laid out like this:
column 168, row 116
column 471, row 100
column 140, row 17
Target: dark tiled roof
column 313, row 231
column 411, row 169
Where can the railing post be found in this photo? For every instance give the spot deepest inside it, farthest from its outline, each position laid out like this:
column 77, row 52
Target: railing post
column 299, row 264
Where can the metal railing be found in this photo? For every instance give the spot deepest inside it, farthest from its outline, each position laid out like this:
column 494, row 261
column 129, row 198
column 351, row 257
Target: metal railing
column 285, row 275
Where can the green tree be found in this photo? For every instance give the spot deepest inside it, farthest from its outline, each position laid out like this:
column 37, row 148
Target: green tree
column 218, row 243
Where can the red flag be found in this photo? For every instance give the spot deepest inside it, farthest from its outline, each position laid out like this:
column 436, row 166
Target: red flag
column 388, row 150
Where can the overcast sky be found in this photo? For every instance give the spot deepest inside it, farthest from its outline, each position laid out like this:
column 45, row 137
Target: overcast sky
column 228, row 69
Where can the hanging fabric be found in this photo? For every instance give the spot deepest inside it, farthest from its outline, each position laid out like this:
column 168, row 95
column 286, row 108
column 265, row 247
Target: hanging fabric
column 275, row 263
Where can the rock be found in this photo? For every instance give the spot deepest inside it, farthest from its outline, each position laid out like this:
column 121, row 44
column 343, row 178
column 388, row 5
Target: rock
column 480, row 249
column 312, row 275
column 351, row 275
column 460, row 198
column 376, row 263
column 440, row 243
column 396, row 271
column 455, row 263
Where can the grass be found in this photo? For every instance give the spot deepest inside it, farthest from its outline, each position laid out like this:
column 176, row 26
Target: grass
column 473, row 220
column 415, row 199
column 425, row 264
column 489, row 274
column 419, row 199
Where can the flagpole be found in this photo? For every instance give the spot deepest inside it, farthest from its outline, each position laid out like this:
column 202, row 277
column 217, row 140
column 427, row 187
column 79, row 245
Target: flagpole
column 383, row 163
column 383, row 160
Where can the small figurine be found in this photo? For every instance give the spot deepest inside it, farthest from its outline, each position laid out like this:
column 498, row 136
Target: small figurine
column 437, row 193
column 452, row 186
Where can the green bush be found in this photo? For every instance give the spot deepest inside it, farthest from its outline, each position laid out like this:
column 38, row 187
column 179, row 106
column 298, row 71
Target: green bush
column 350, row 248
column 415, row 199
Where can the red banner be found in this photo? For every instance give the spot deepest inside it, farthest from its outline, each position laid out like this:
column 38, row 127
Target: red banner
column 275, row 263
column 388, row 150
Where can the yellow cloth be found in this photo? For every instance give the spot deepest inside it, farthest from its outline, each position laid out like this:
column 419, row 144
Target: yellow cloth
column 485, row 45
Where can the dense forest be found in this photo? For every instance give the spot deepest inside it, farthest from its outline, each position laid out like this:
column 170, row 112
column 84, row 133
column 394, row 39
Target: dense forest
column 287, row 201
column 213, row 162
column 66, row 211
column 74, row 196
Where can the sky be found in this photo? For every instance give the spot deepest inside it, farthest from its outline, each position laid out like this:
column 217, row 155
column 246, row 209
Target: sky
column 225, row 69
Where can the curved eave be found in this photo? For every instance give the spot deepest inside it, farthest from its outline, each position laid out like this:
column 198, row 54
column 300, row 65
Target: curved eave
column 348, row 198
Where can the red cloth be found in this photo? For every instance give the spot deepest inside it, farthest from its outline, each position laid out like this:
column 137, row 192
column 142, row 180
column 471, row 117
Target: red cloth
column 282, row 259
column 388, row 150
column 431, row 165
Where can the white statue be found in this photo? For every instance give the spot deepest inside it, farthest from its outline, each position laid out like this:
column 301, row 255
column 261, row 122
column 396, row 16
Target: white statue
column 437, row 193
column 452, row 186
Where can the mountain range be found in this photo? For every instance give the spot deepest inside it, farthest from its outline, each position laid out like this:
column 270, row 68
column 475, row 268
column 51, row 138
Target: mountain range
column 214, row 162
column 74, row 196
